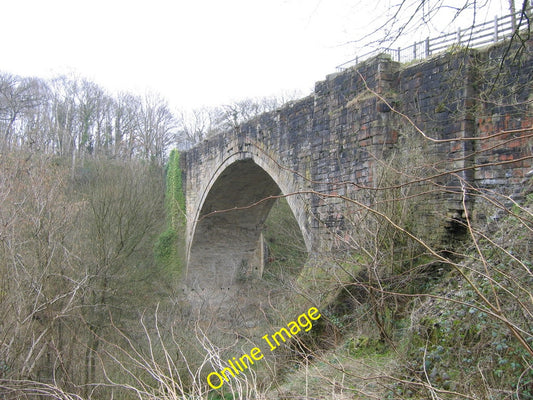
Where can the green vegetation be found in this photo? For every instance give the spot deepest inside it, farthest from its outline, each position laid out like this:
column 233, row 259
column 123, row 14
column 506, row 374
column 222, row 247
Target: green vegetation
column 427, row 330
column 404, row 317
column 77, row 265
column 170, row 246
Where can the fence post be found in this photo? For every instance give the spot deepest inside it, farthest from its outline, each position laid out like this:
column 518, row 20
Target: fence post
column 459, row 36
column 414, row 51
column 495, row 28
column 399, row 50
column 428, row 52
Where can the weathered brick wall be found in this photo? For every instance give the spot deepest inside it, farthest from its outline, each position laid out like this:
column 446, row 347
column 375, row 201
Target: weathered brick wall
column 332, row 141
column 505, row 92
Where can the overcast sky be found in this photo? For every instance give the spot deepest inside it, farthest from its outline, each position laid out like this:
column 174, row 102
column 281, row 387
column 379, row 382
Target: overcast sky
column 194, row 52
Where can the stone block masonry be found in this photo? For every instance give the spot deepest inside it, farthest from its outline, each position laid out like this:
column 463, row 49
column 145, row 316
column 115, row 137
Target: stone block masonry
column 333, row 142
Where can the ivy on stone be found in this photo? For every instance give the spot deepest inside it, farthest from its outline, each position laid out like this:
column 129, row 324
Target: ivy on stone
column 170, row 244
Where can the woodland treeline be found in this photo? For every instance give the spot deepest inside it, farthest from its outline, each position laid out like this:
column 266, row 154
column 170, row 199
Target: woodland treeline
column 74, row 117
column 89, row 232
column 76, row 263
column 89, row 265
column 82, row 187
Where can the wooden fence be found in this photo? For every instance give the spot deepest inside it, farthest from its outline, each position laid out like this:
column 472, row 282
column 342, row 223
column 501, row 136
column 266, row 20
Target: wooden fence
column 475, row 36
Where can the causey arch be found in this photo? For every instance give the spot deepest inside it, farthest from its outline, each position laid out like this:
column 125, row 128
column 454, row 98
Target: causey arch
column 336, row 139
column 224, row 238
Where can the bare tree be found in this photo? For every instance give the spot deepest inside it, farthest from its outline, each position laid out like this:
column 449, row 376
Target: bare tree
column 124, row 213
column 404, row 20
column 126, row 109
column 17, row 95
column 155, row 128
column 194, row 126
column 202, row 123
column 230, row 116
column 39, row 273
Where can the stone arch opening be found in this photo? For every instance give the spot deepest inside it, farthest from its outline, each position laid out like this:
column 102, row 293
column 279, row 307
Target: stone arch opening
column 228, row 246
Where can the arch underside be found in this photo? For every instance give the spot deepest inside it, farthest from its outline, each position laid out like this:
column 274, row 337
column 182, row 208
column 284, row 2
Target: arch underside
column 227, row 246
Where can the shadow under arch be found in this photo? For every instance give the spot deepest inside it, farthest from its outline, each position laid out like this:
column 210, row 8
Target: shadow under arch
column 225, row 243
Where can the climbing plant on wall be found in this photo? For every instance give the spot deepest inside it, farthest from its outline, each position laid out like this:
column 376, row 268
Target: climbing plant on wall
column 175, row 197
column 170, row 244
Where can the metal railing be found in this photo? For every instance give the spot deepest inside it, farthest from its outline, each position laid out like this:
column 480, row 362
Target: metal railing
column 475, row 36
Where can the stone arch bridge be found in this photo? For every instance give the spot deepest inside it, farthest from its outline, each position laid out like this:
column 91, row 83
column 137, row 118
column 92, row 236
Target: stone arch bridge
column 309, row 149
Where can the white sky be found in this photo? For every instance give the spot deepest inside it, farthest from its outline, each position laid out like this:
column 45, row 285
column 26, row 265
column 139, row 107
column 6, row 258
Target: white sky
column 193, row 52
